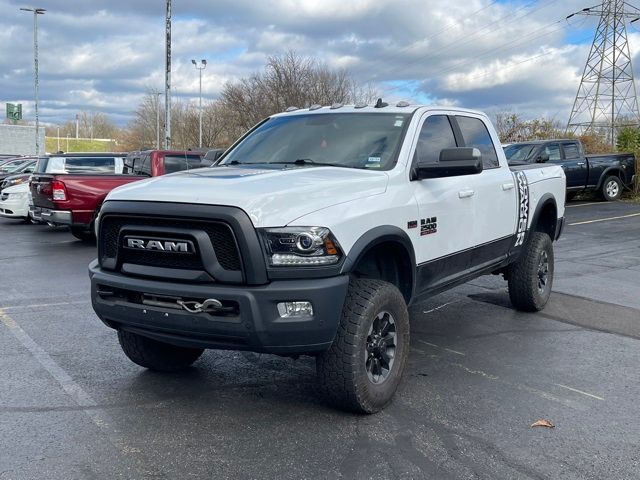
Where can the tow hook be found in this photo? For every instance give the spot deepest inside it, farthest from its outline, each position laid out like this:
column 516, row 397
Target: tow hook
column 209, row 305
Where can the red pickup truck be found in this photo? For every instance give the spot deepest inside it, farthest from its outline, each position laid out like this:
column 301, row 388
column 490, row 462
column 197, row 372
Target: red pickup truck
column 69, row 189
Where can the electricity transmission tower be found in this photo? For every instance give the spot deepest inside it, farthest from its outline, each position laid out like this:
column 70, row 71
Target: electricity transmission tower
column 606, row 99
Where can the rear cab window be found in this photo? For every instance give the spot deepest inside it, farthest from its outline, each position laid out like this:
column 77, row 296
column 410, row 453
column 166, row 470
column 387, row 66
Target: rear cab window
column 177, row 163
column 475, row 135
column 92, row 165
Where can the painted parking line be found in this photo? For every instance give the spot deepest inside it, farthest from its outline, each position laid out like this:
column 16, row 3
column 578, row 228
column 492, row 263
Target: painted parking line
column 579, row 391
column 582, row 205
column 40, row 305
column 79, row 396
column 605, row 219
column 442, row 348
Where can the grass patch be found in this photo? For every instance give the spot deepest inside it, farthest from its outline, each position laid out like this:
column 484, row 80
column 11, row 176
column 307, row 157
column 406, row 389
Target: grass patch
column 79, row 145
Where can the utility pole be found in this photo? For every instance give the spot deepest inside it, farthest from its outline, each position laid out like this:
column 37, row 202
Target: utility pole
column 77, row 125
column 158, row 94
column 36, row 12
column 607, row 98
column 167, row 77
column 200, row 67
column 58, row 137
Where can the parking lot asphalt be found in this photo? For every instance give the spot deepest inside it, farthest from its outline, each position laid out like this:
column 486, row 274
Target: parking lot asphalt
column 73, row 407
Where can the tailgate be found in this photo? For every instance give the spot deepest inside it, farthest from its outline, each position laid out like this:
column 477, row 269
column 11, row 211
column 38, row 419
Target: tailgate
column 41, row 190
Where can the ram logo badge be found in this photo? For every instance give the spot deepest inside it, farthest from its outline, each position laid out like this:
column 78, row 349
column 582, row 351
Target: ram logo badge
column 159, row 245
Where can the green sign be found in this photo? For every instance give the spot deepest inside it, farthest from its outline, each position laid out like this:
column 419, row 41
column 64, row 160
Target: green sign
column 14, row 112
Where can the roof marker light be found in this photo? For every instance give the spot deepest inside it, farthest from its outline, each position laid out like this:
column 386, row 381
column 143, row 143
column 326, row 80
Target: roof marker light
column 360, row 105
column 315, row 106
column 291, row 109
column 402, row 104
column 336, row 105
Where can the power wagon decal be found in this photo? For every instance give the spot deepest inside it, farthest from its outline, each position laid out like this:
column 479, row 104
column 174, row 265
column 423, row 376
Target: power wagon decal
column 523, row 207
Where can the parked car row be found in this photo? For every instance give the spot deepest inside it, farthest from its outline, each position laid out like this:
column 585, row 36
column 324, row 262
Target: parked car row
column 68, row 189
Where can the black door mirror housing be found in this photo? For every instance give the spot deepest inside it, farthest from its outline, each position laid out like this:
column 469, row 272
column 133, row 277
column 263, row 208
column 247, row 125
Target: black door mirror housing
column 542, row 158
column 453, row 162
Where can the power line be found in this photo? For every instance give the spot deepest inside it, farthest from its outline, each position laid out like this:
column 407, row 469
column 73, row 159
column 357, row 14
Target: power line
column 470, row 38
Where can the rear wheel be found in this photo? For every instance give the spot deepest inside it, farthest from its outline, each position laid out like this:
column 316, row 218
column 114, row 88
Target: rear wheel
column 155, row 355
column 531, row 276
column 363, row 367
column 86, row 235
column 611, row 189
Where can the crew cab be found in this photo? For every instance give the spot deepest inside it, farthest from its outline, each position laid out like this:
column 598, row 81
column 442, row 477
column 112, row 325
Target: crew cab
column 314, row 233
column 606, row 174
column 69, row 189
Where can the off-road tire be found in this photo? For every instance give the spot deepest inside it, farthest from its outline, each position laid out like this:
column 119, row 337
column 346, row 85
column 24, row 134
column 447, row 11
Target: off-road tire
column 83, row 234
column 155, row 355
column 342, row 370
column 611, row 189
column 524, row 275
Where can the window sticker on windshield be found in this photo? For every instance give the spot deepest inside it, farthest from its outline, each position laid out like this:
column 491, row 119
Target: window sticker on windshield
column 398, row 123
column 373, row 162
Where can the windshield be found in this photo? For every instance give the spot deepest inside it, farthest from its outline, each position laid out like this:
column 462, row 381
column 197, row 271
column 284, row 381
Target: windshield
column 519, row 151
column 353, row 140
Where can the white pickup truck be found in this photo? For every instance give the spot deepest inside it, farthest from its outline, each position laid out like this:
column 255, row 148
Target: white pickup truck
column 314, row 233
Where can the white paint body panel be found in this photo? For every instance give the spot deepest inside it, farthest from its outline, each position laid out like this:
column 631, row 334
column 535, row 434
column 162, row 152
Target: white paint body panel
column 18, row 201
column 351, row 201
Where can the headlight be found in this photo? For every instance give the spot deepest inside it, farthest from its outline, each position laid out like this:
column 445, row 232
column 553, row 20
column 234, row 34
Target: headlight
column 301, row 246
column 15, row 181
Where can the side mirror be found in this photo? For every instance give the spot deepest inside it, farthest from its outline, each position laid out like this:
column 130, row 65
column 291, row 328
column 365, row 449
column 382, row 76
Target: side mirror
column 542, row 158
column 453, row 162
column 29, row 170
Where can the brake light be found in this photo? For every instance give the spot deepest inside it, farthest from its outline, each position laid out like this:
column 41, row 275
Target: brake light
column 59, row 190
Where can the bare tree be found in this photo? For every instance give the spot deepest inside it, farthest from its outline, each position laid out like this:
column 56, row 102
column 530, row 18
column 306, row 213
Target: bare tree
column 288, row 80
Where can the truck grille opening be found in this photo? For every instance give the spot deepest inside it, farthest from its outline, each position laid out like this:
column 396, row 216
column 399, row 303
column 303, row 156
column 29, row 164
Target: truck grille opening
column 220, row 234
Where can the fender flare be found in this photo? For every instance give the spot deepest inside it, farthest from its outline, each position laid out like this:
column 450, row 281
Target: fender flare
column 376, row 236
column 607, row 173
column 545, row 200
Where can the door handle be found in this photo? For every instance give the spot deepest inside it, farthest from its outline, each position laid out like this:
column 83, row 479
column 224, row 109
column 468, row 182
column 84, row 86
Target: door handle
column 580, row 164
column 466, row 193
column 508, row 186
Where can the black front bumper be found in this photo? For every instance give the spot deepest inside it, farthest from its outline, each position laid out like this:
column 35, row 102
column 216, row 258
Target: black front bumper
column 256, row 326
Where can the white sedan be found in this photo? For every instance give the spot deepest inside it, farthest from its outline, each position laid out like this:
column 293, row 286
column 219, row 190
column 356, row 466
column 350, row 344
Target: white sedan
column 14, row 202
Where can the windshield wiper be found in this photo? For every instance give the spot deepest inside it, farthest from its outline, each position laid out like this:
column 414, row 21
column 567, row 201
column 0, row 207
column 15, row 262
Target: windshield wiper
column 308, row 161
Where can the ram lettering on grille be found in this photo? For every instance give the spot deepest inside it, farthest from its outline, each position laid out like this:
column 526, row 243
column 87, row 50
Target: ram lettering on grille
column 158, row 245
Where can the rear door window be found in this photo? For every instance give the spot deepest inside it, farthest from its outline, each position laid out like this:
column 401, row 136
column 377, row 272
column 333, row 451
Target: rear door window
column 571, row 150
column 476, row 135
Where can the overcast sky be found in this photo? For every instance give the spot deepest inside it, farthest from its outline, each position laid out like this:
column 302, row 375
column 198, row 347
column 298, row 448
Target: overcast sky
column 102, row 55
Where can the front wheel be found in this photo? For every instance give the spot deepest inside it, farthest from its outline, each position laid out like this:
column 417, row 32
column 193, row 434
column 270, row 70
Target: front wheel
column 531, row 276
column 611, row 189
column 156, row 355
column 363, row 367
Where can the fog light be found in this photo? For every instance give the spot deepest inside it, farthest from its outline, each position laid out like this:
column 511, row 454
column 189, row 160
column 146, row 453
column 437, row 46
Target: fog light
column 295, row 309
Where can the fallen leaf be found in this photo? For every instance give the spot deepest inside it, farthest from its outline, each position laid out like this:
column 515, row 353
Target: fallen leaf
column 543, row 423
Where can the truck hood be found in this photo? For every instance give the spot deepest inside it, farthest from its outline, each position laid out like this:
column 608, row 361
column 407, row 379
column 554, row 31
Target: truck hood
column 270, row 196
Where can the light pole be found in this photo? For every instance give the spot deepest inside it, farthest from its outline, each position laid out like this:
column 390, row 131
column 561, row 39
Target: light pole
column 167, row 78
column 158, row 94
column 36, row 12
column 200, row 67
